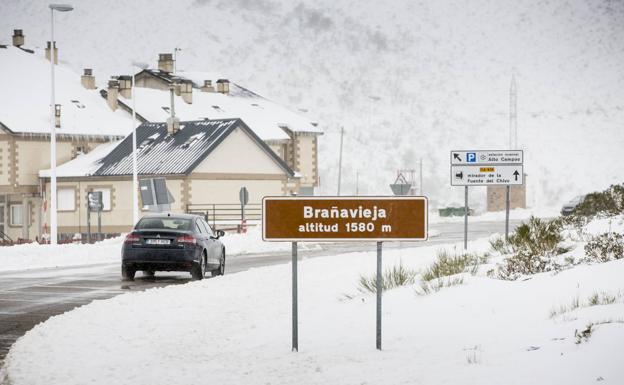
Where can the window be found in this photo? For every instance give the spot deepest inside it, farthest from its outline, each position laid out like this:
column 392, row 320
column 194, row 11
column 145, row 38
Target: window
column 106, row 197
column 207, row 227
column 167, row 223
column 17, row 215
column 66, row 199
column 200, row 228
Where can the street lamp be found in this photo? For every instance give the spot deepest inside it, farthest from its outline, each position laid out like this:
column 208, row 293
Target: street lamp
column 175, row 58
column 135, row 178
column 53, row 217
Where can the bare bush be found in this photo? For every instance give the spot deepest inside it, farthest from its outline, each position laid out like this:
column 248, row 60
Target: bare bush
column 533, row 246
column 397, row 276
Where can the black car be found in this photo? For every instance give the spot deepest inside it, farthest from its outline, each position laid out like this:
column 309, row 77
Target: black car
column 173, row 242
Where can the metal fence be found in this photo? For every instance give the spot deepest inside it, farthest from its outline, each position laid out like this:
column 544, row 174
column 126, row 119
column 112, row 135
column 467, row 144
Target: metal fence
column 227, row 215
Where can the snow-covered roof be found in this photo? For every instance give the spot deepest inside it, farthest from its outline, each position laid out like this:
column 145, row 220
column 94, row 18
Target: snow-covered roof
column 83, row 165
column 25, row 99
column 161, row 153
column 265, row 117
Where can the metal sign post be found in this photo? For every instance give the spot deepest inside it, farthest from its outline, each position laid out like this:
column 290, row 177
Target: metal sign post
column 466, row 218
column 243, row 197
column 88, row 222
column 355, row 219
column 295, row 309
column 507, row 193
column 379, row 286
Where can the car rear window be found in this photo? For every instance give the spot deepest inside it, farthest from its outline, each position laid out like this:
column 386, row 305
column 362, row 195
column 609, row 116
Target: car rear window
column 166, row 223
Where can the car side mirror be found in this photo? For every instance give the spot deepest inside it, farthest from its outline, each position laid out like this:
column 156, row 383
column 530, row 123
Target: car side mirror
column 220, row 233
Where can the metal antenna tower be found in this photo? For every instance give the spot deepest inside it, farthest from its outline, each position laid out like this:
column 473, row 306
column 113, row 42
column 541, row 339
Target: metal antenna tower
column 513, row 113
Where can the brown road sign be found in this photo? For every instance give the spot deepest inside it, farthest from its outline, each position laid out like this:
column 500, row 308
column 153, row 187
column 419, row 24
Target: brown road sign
column 300, row 219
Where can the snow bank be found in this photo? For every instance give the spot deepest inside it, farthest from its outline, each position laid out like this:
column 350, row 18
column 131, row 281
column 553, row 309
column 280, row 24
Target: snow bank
column 252, row 243
column 34, row 255
column 235, row 329
column 603, row 225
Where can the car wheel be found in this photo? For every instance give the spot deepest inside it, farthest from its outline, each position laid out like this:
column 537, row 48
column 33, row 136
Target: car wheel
column 221, row 269
column 127, row 274
column 149, row 273
column 198, row 271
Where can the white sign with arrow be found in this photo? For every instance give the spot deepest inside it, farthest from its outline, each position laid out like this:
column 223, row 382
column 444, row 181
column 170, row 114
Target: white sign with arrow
column 487, row 157
column 486, row 175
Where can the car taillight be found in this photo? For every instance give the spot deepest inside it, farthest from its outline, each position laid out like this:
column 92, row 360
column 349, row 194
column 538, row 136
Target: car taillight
column 187, row 239
column 132, row 238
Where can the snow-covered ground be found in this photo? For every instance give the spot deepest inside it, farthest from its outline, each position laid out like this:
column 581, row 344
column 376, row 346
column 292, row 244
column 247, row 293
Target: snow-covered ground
column 235, row 329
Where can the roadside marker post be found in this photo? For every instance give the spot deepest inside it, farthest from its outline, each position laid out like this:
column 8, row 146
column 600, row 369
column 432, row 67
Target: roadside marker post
column 243, row 197
column 355, row 219
column 295, row 310
column 487, row 168
column 379, row 287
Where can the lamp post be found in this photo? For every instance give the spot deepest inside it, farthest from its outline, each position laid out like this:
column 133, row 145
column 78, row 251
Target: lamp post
column 53, row 217
column 175, row 58
column 135, row 177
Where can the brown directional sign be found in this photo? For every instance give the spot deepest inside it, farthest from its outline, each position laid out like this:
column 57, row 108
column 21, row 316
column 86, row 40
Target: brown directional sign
column 300, row 219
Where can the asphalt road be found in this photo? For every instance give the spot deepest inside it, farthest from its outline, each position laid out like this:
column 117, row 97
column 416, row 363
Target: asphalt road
column 32, row 296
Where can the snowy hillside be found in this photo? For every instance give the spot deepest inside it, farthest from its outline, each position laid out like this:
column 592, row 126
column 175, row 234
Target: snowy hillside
column 410, row 80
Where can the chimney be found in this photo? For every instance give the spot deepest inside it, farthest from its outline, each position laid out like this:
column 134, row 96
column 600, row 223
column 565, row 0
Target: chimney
column 47, row 52
column 87, row 79
column 173, row 122
column 125, row 86
column 57, row 115
column 113, row 93
column 173, row 125
column 186, row 91
column 223, row 86
column 18, row 38
column 207, row 87
column 165, row 62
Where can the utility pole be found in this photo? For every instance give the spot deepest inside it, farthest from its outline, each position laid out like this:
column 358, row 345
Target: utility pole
column 513, row 113
column 135, row 178
column 340, row 159
column 420, row 185
column 513, row 145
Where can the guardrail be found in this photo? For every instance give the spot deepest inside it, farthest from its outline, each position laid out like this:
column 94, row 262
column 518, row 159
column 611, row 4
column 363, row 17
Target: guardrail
column 227, row 216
